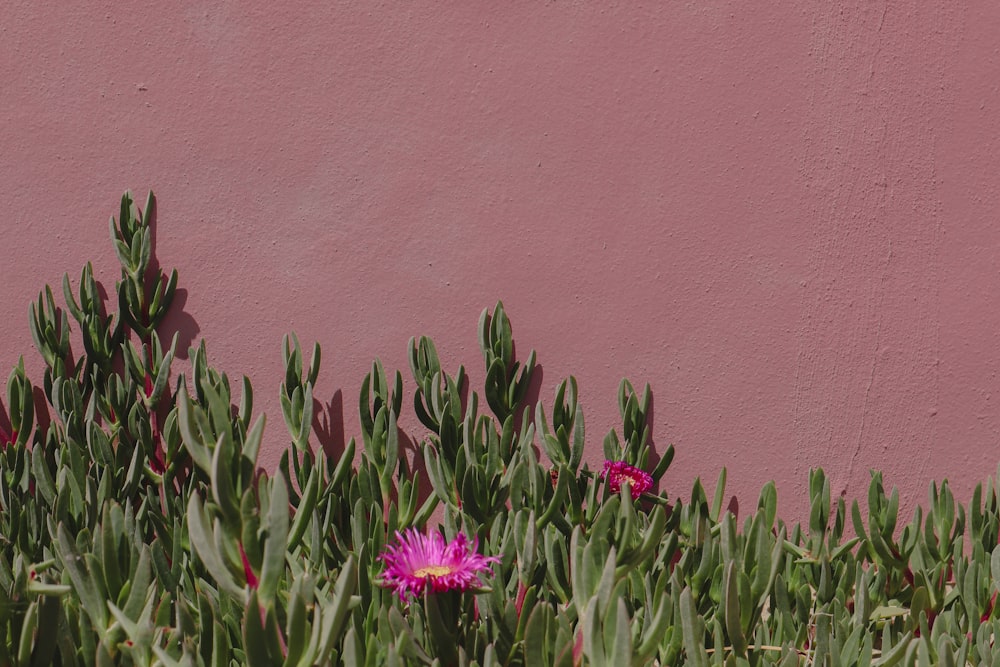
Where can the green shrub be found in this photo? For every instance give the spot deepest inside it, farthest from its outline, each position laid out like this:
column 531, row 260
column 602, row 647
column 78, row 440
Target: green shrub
column 137, row 528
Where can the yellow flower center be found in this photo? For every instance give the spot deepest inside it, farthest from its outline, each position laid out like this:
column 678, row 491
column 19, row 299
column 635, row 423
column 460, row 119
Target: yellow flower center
column 432, row 571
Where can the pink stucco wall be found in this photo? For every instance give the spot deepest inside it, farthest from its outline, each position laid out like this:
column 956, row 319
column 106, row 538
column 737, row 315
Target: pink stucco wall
column 781, row 215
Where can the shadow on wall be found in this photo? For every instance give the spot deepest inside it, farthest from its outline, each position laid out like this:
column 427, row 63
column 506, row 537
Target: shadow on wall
column 656, row 456
column 177, row 321
column 328, row 425
column 414, row 457
column 532, row 395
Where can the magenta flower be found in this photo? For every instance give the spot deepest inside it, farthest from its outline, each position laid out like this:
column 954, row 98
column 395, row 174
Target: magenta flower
column 418, row 562
column 619, row 472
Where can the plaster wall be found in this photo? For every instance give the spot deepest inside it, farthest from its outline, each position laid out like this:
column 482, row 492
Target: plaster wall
column 780, row 215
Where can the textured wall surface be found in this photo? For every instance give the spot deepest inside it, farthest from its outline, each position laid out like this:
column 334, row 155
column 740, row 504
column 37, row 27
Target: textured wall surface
column 781, row 215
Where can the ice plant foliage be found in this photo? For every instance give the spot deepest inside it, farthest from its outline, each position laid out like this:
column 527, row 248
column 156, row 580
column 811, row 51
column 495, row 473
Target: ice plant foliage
column 136, row 528
column 418, row 562
column 619, row 472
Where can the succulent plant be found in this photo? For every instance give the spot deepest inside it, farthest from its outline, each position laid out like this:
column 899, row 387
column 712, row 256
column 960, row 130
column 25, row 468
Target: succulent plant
column 138, row 529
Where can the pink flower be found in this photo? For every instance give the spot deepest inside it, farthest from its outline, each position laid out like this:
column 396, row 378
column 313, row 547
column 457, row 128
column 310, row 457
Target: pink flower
column 619, row 472
column 420, row 561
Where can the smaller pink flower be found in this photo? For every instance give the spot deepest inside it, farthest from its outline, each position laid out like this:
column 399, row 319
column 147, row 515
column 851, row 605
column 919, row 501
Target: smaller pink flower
column 619, row 472
column 420, row 561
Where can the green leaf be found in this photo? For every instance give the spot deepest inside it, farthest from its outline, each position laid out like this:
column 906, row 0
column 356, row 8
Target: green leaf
column 255, row 640
column 305, row 509
column 694, row 631
column 296, row 627
column 731, row 610
column 335, row 613
column 223, row 489
column 205, row 546
column 276, row 530
column 186, row 422
column 536, row 635
column 86, row 586
column 28, row 626
column 621, row 652
column 251, row 446
column 896, row 653
column 44, row 483
column 720, row 496
column 654, row 632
